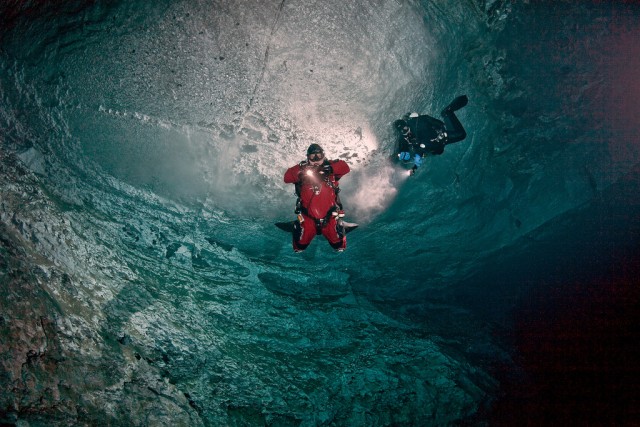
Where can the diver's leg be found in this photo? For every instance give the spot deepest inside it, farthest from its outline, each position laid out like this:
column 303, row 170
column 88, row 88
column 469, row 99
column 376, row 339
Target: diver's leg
column 303, row 233
column 455, row 131
column 337, row 240
column 455, row 105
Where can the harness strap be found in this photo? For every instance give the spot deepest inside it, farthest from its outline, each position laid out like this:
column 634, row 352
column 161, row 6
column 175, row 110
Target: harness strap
column 320, row 222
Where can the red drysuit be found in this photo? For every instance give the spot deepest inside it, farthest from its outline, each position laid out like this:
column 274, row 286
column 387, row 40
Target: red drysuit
column 317, row 188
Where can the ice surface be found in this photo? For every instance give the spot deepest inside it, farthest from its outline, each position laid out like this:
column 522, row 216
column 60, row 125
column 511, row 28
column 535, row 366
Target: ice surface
column 142, row 150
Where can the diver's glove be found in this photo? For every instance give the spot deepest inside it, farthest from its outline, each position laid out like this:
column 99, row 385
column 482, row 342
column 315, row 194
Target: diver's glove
column 326, row 170
column 309, row 174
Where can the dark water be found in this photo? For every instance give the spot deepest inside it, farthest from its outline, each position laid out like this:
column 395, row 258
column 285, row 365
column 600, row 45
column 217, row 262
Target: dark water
column 573, row 298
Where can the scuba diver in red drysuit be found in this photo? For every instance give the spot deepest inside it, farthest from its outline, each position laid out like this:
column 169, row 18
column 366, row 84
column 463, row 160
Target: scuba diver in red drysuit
column 318, row 208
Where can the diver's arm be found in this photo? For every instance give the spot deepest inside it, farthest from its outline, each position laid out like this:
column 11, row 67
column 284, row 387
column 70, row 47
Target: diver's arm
column 340, row 168
column 292, row 175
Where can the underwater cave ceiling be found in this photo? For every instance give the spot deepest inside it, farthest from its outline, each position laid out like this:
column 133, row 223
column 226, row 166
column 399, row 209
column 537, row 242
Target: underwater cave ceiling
column 143, row 147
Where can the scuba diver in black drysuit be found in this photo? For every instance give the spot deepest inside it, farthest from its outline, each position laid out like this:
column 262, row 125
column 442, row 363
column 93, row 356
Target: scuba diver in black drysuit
column 423, row 135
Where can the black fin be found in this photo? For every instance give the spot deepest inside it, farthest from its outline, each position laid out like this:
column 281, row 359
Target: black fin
column 286, row 226
column 289, row 226
column 349, row 226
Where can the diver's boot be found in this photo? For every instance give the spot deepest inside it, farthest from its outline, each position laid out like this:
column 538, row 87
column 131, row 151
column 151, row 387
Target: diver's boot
column 340, row 245
column 455, row 105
